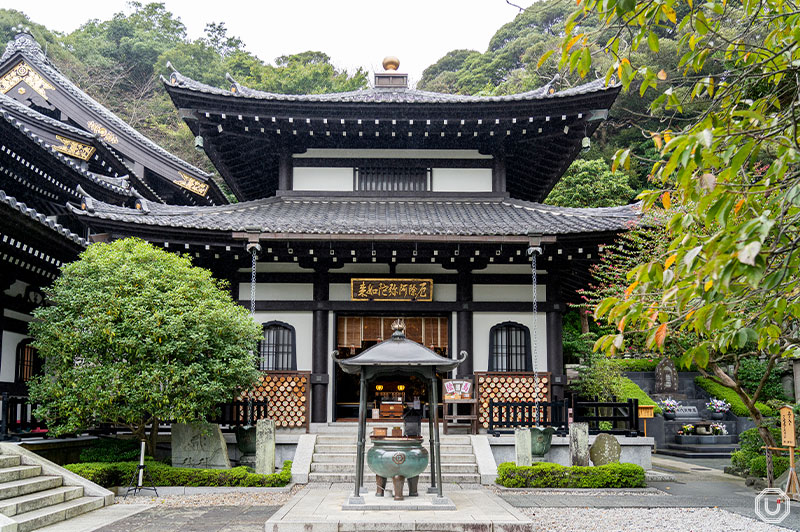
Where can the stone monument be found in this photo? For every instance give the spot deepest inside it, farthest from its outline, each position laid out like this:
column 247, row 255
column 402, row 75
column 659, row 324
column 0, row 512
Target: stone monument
column 579, row 444
column 265, row 446
column 522, row 447
column 199, row 445
column 666, row 377
column 605, row 450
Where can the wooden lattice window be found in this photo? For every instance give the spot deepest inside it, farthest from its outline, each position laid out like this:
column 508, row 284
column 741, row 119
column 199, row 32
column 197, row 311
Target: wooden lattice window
column 277, row 351
column 509, row 347
column 390, row 179
column 28, row 361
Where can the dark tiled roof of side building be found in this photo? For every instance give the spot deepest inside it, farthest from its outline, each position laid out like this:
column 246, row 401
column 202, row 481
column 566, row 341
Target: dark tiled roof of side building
column 25, row 44
column 31, row 213
column 365, row 216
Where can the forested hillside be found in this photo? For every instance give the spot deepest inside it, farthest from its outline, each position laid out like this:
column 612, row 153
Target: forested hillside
column 119, row 61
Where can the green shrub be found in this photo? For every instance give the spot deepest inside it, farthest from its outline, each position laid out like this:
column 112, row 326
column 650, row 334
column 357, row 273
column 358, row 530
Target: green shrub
column 108, row 474
column 547, row 475
column 737, row 406
column 630, row 390
column 750, row 447
column 751, row 370
column 758, row 466
column 740, row 460
column 111, row 450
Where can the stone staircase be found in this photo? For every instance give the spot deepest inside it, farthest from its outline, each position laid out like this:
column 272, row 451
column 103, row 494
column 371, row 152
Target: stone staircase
column 335, row 457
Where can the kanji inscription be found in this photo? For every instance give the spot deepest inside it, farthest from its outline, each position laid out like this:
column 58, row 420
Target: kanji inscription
column 391, row 289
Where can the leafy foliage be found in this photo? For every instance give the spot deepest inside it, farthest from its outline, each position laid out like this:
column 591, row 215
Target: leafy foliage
column 599, row 378
column 547, row 475
column 737, row 406
column 631, row 390
column 119, row 474
column 751, row 370
column 134, row 335
column 758, row 466
column 591, row 183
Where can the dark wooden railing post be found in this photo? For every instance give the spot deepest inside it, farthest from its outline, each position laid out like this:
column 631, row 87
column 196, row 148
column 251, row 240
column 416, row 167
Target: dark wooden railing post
column 4, row 418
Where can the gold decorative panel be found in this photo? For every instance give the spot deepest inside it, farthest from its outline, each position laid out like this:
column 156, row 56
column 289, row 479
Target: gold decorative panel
column 23, row 72
column 509, row 387
column 192, row 184
column 74, row 148
column 391, row 289
column 287, row 395
column 101, row 131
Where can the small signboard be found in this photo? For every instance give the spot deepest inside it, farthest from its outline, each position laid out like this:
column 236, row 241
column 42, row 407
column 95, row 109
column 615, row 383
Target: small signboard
column 646, row 411
column 787, row 426
column 457, row 389
column 391, row 289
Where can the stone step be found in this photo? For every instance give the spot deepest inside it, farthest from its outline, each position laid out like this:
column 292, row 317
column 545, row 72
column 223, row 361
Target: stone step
column 340, row 449
column 343, row 439
column 424, row 478
column 56, row 513
column 10, row 474
column 39, row 499
column 9, row 460
column 351, row 467
column 28, row 485
column 350, row 458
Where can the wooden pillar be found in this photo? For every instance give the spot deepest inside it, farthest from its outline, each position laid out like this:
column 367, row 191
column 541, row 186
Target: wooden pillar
column 464, row 321
column 499, row 173
column 319, row 349
column 555, row 333
column 285, row 171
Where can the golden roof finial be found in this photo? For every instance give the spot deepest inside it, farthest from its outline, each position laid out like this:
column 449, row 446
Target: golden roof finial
column 391, row 63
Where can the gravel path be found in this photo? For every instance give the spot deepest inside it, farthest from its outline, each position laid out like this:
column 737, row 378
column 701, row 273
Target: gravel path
column 644, row 520
column 264, row 498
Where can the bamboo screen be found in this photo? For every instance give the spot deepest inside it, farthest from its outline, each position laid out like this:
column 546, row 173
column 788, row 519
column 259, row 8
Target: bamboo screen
column 509, row 387
column 354, row 330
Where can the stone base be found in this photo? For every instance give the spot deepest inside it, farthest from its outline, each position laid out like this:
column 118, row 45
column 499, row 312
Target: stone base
column 414, row 504
column 248, row 460
column 322, row 510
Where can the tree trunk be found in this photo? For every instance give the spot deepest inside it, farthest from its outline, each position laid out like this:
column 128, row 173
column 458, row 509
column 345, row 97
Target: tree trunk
column 755, row 413
column 153, row 440
column 584, row 321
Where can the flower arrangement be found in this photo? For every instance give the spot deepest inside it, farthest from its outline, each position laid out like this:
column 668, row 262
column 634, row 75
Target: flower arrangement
column 687, row 429
column 718, row 405
column 718, row 429
column 669, row 405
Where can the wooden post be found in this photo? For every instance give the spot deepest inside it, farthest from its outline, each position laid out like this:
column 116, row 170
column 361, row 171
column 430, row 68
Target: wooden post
column 788, row 439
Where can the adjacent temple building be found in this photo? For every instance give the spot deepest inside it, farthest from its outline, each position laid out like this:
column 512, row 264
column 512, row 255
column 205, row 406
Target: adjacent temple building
column 353, row 209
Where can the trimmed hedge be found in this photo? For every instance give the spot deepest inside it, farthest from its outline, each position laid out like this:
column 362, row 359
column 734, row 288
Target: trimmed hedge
column 547, row 475
column 630, row 390
column 758, row 466
column 111, row 450
column 120, row 473
column 737, row 406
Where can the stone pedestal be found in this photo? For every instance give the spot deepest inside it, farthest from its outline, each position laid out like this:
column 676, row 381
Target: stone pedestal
column 579, row 444
column 265, row 447
column 199, row 445
column 522, row 447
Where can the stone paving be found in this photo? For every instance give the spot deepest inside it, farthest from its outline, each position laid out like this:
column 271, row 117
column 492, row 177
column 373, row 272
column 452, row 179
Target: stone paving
column 214, row 519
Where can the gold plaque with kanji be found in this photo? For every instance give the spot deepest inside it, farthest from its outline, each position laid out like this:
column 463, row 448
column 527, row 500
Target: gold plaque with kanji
column 391, row 289
column 787, row 426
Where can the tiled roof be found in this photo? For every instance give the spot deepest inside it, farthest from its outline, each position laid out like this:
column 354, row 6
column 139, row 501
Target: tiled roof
column 10, row 201
column 381, row 95
column 118, row 185
column 367, row 216
column 25, row 44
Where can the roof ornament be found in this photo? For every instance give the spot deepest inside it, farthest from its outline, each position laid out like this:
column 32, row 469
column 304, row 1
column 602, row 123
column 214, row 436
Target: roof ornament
column 390, row 78
column 235, row 87
column 399, row 328
column 391, row 62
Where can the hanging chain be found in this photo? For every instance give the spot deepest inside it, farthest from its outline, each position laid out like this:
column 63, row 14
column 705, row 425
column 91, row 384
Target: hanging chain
column 254, row 253
column 534, row 251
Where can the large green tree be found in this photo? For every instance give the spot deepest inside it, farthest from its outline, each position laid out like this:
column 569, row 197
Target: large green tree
column 591, row 183
column 731, row 271
column 132, row 335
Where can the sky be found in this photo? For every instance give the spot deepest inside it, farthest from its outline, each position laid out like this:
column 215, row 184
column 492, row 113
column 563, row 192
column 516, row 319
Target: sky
column 352, row 32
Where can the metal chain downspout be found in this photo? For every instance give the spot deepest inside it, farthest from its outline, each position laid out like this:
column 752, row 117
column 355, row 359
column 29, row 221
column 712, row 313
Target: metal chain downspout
column 534, row 252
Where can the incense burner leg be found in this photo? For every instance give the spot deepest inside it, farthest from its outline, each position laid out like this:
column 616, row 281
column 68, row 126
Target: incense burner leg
column 381, row 481
column 412, row 486
column 398, row 482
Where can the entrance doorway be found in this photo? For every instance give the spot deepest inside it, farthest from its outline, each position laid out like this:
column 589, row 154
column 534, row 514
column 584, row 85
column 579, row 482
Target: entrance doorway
column 386, row 397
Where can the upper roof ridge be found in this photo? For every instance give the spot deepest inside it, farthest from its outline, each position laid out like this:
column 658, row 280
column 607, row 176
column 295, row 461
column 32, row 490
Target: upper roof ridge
column 24, row 41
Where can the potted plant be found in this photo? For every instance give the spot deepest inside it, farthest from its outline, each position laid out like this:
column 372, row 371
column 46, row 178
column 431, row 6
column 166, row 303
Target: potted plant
column 669, row 406
column 718, row 407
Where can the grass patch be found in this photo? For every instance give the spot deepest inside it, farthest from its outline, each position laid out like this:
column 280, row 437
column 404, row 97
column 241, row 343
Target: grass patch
column 737, row 406
column 630, row 390
column 108, row 474
column 547, row 475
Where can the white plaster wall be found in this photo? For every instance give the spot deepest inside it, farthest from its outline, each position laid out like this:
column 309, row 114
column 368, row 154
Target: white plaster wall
column 328, row 179
column 364, row 269
column 278, row 267
column 461, row 180
column 303, row 328
column 278, row 291
column 482, row 322
column 508, row 292
column 507, row 269
column 9, row 355
column 408, row 268
column 329, row 153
